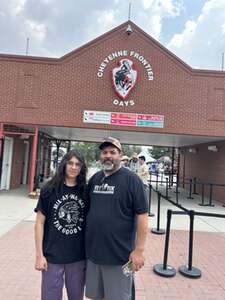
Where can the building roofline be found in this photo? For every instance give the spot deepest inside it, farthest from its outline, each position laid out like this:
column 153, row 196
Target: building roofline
column 106, row 35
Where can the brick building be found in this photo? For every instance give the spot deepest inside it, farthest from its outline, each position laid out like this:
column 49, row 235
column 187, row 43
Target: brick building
column 124, row 84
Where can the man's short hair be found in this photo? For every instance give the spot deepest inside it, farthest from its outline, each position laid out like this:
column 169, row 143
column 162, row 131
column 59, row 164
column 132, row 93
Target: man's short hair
column 110, row 141
column 142, row 157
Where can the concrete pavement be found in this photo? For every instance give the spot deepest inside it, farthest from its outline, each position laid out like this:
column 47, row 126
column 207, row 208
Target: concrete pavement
column 19, row 280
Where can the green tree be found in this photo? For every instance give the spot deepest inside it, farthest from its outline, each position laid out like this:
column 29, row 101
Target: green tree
column 131, row 149
column 157, row 152
column 89, row 150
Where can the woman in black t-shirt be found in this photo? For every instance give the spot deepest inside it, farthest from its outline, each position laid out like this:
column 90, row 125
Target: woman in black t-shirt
column 59, row 230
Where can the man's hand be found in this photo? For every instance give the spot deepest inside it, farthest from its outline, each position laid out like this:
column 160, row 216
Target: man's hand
column 137, row 258
column 41, row 264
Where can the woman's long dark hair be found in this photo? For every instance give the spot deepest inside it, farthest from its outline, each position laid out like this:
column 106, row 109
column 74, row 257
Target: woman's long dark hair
column 56, row 183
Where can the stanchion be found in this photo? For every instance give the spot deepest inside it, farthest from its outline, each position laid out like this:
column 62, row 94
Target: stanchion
column 167, row 187
column 210, row 195
column 150, row 202
column 177, row 192
column 189, row 270
column 164, row 269
column 195, row 184
column 158, row 230
column 157, row 181
column 190, row 190
column 203, row 196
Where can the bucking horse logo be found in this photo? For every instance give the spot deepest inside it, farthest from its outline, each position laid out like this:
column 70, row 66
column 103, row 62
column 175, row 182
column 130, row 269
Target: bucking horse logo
column 124, row 78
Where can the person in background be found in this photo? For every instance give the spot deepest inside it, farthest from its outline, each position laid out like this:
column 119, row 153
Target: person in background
column 125, row 161
column 116, row 228
column 59, row 230
column 143, row 173
column 134, row 165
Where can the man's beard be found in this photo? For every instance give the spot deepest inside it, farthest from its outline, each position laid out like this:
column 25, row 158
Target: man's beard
column 110, row 165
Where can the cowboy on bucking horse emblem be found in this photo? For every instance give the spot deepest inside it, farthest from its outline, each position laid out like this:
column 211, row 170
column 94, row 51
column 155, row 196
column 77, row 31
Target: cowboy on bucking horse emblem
column 124, row 78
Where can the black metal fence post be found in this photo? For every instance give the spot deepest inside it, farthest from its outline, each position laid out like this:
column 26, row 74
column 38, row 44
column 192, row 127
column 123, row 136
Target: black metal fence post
column 158, row 230
column 190, row 271
column 150, row 202
column 210, row 195
column 195, row 186
column 157, row 181
column 203, row 195
column 177, row 192
column 167, row 186
column 190, row 190
column 164, row 269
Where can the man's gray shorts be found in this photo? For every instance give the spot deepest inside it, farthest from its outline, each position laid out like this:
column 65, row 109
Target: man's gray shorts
column 107, row 281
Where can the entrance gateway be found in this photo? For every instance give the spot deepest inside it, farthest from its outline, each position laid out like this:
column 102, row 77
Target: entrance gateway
column 125, row 85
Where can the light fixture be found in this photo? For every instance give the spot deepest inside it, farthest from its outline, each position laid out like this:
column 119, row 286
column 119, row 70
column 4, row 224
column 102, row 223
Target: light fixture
column 213, row 148
column 192, row 150
column 24, row 136
column 129, row 30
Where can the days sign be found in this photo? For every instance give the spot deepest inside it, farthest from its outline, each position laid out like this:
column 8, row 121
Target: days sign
column 124, row 119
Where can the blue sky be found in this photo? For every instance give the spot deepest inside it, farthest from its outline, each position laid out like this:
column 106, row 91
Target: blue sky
column 194, row 30
column 191, row 11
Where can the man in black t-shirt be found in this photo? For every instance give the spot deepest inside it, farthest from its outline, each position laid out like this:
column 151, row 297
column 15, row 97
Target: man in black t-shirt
column 59, row 230
column 116, row 229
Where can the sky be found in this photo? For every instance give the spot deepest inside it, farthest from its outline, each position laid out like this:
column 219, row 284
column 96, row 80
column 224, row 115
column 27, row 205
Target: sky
column 194, row 30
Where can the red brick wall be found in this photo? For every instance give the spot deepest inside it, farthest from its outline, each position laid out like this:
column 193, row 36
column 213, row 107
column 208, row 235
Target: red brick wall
column 206, row 166
column 55, row 92
column 17, row 163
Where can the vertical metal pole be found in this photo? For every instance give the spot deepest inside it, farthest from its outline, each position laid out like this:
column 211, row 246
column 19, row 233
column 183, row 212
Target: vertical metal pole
column 33, row 160
column 195, row 186
column 157, row 181
column 177, row 191
column 68, row 146
column 189, row 270
column 190, row 255
column 178, row 166
column 58, row 143
column 203, row 195
column 190, row 190
column 169, row 214
column 158, row 230
column 164, row 269
column 167, row 183
column 184, row 166
column 158, row 212
column 210, row 194
column 173, row 154
column 150, row 201
column 1, row 137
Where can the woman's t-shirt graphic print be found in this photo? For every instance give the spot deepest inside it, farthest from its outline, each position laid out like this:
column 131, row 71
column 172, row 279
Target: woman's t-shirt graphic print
column 64, row 225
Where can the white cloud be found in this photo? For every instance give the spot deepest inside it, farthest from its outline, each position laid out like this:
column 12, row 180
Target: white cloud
column 202, row 41
column 57, row 27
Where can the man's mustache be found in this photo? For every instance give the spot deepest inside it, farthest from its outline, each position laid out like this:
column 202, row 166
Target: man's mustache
column 108, row 160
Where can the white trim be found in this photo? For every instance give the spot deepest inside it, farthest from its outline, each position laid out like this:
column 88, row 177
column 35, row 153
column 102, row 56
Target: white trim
column 26, row 161
column 8, row 148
